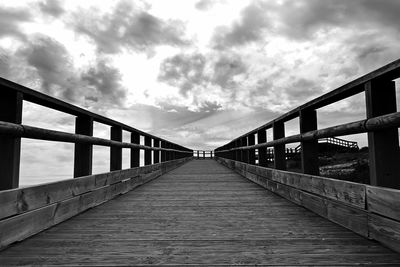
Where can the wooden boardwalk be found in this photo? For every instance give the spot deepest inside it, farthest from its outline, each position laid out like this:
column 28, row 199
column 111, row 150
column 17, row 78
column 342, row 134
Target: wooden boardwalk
column 201, row 213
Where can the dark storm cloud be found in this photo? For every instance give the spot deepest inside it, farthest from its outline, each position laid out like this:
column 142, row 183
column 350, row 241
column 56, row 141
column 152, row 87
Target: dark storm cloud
column 53, row 65
column 106, row 80
column 301, row 19
column 10, row 20
column 184, row 71
column 52, row 7
column 129, row 27
column 226, row 68
column 248, row 29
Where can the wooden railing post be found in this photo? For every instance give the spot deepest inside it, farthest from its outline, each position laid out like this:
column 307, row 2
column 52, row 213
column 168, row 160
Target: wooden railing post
column 383, row 145
column 10, row 147
column 173, row 153
column 211, row 154
column 262, row 152
column 309, row 149
column 163, row 153
column 237, row 152
column 83, row 153
column 278, row 132
column 135, row 152
column 156, row 153
column 252, row 152
column 245, row 153
column 116, row 152
column 204, row 154
column 168, row 154
column 147, row 152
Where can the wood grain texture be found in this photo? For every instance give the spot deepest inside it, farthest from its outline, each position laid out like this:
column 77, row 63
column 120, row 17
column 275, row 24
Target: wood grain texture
column 348, row 192
column 384, row 201
column 30, row 210
column 198, row 214
column 320, row 195
column 385, row 230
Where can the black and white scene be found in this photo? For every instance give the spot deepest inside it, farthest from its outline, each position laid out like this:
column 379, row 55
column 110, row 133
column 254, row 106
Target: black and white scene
column 199, row 133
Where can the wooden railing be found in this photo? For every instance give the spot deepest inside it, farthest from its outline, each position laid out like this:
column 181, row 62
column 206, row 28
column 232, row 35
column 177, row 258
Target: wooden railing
column 381, row 124
column 203, row 154
column 12, row 96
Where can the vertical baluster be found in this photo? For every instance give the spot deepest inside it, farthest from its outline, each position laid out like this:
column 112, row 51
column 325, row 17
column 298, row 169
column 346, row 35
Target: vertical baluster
column 262, row 152
column 163, row 153
column 237, row 152
column 279, row 150
column 384, row 144
column 10, row 147
column 309, row 149
column 251, row 152
column 156, row 153
column 116, row 152
column 147, row 152
column 83, row 153
column 135, row 152
column 245, row 153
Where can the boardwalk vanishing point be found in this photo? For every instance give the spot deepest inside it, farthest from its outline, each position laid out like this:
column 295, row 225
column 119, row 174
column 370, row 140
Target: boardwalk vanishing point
column 178, row 208
column 200, row 213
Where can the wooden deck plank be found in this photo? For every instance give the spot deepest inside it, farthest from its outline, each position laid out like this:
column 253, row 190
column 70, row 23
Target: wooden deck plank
column 201, row 213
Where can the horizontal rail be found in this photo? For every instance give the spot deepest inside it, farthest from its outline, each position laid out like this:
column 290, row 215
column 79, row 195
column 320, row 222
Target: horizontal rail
column 388, row 72
column 12, row 95
column 57, row 104
column 19, row 130
column 381, row 125
column 367, row 125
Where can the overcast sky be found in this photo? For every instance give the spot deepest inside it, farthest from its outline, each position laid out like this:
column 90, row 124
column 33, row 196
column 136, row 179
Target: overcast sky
column 194, row 72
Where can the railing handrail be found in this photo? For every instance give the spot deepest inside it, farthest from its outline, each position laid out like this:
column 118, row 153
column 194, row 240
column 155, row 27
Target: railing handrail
column 388, row 72
column 12, row 96
column 44, row 100
column 381, row 124
column 26, row 131
column 368, row 125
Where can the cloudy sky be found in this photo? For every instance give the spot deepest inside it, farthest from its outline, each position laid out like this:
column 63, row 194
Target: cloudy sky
column 195, row 72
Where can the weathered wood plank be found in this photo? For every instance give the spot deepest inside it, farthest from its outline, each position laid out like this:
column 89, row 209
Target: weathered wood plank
column 384, row 230
column 384, row 201
column 347, row 192
column 314, row 193
column 30, row 205
column 352, row 218
column 193, row 216
column 22, row 226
